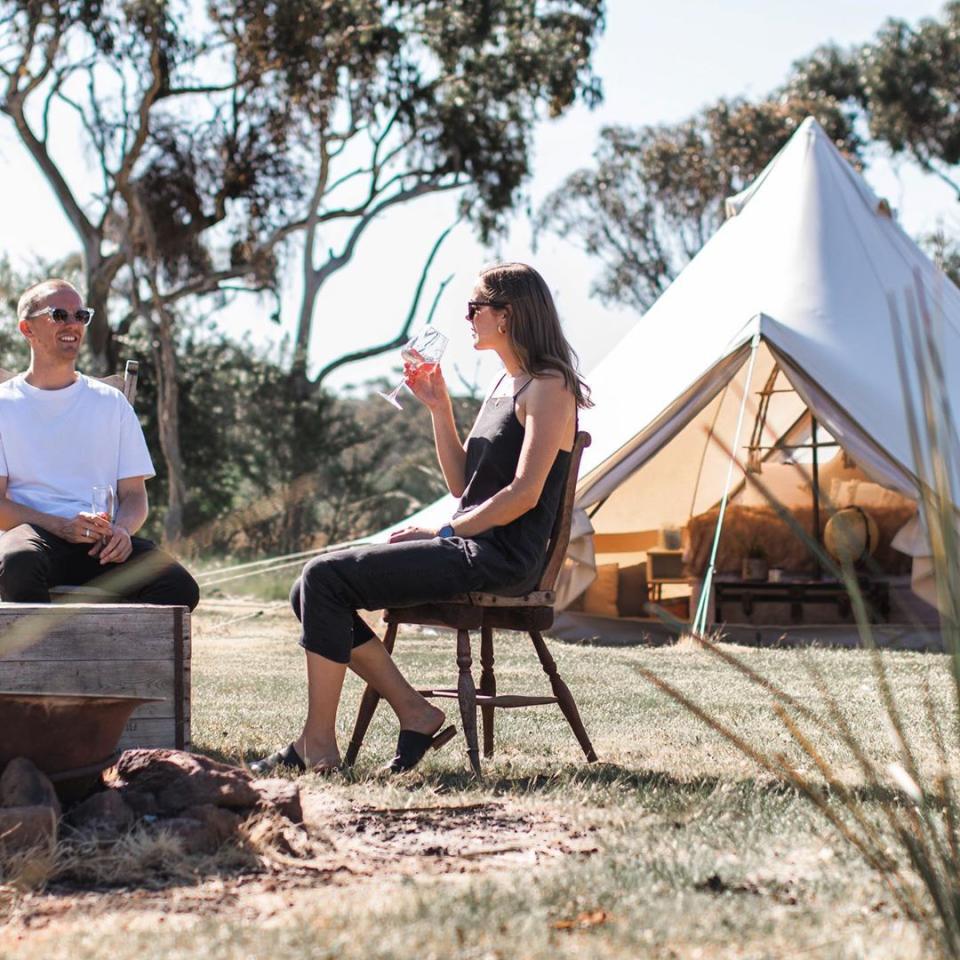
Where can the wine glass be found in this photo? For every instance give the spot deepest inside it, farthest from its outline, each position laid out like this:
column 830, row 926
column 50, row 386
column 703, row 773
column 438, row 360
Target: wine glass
column 423, row 353
column 102, row 501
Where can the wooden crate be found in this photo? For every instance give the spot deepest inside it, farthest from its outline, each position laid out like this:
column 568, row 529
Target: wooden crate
column 119, row 649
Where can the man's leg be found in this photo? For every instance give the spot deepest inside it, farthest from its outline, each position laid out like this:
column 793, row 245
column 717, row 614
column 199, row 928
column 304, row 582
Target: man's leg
column 149, row 575
column 25, row 564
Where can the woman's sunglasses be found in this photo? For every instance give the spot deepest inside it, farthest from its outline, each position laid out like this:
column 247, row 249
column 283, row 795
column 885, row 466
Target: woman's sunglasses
column 475, row 306
column 59, row 315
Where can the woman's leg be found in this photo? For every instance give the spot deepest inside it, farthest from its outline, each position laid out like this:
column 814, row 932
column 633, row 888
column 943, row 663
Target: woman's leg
column 371, row 662
column 333, row 587
column 317, row 744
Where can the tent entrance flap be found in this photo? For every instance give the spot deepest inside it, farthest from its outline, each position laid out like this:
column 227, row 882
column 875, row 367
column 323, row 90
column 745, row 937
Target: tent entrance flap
column 608, row 475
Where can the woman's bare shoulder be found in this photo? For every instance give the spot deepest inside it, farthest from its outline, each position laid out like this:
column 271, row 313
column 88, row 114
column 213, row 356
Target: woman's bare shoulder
column 551, row 385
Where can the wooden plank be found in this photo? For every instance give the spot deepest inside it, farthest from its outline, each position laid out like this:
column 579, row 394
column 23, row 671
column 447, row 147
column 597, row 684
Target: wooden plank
column 87, row 632
column 132, row 678
column 151, row 733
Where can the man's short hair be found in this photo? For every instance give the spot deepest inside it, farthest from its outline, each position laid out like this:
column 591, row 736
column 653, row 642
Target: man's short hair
column 34, row 296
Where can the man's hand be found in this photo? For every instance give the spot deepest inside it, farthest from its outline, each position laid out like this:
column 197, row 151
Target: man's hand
column 412, row 533
column 84, row 528
column 115, row 548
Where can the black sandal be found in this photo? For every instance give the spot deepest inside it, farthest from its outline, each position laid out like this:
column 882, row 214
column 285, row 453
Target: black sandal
column 288, row 757
column 411, row 746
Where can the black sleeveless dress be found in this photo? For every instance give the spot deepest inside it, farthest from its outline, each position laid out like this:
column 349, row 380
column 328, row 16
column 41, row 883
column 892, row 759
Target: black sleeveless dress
column 510, row 557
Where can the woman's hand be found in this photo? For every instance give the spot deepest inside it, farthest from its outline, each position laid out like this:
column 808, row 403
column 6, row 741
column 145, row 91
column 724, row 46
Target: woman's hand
column 412, row 533
column 426, row 383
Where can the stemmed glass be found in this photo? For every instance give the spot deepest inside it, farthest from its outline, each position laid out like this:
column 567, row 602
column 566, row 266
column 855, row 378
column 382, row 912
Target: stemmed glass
column 102, row 501
column 423, row 353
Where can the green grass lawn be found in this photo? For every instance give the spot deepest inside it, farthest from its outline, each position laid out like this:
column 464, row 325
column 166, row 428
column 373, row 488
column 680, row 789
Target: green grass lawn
column 695, row 853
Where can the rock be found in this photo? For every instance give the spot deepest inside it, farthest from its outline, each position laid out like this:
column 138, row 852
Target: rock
column 23, row 785
column 223, row 823
column 22, row 828
column 196, row 836
column 142, row 804
column 103, row 813
column 179, row 780
column 281, row 796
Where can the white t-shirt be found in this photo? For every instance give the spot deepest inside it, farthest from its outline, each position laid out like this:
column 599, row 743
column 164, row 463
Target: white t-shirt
column 55, row 445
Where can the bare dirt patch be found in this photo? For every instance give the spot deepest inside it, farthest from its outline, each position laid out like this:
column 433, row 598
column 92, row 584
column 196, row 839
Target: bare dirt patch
column 344, row 843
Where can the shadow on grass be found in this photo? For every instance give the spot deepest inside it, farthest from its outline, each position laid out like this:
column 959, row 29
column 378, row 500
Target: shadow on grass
column 597, row 779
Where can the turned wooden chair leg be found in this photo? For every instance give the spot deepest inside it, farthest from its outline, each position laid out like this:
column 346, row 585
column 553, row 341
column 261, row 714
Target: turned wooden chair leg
column 467, row 695
column 564, row 697
column 368, row 704
column 488, row 686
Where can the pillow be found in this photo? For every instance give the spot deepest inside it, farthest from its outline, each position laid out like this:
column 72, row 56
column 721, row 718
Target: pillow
column 601, row 596
column 632, row 590
column 864, row 493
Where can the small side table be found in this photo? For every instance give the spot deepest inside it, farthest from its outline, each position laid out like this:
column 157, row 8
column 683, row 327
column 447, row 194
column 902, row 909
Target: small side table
column 664, row 566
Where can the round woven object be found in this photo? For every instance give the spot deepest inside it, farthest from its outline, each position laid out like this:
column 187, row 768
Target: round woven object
column 850, row 535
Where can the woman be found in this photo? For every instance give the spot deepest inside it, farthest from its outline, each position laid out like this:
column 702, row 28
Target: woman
column 509, row 477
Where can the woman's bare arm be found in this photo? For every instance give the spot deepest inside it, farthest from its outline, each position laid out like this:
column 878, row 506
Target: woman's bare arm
column 431, row 390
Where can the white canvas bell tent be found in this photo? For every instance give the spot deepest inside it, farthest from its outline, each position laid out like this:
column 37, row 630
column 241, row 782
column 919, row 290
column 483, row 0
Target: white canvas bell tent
column 797, row 280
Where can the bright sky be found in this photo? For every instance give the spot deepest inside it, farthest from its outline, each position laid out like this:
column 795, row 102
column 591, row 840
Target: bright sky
column 659, row 63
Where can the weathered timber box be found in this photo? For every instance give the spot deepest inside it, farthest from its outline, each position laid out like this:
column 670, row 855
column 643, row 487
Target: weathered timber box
column 106, row 648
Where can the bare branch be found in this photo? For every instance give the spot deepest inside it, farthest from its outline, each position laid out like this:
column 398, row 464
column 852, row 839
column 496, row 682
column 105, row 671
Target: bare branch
column 404, row 332
column 150, row 95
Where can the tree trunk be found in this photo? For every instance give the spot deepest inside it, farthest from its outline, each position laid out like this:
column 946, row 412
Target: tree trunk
column 301, row 347
column 100, row 272
column 169, row 424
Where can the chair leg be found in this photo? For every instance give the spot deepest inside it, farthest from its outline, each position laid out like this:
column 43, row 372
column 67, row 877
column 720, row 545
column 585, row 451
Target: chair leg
column 368, row 704
column 488, row 686
column 467, row 696
column 564, row 697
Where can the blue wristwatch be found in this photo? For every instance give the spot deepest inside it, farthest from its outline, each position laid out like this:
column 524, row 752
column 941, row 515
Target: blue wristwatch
column 446, row 530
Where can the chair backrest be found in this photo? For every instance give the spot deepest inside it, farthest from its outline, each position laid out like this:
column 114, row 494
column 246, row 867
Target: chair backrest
column 560, row 536
column 125, row 383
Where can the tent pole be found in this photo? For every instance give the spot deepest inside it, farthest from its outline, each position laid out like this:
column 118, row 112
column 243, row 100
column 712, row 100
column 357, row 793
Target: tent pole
column 816, row 495
column 699, row 625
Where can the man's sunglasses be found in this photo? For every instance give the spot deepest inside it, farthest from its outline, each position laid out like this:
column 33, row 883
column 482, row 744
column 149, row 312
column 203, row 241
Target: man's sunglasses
column 59, row 315
column 475, row 306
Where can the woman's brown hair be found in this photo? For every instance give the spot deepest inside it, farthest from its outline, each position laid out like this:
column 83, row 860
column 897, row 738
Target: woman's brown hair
column 534, row 326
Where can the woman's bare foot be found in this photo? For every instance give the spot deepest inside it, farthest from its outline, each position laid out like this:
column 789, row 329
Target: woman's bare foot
column 422, row 716
column 319, row 756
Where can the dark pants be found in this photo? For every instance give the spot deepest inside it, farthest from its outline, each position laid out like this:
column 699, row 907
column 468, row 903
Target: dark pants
column 335, row 585
column 33, row 560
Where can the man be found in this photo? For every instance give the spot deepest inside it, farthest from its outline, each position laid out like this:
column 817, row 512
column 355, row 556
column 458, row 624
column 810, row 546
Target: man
column 62, row 433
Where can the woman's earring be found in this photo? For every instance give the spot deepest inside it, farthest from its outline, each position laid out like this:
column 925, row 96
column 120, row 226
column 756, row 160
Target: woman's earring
column 502, row 329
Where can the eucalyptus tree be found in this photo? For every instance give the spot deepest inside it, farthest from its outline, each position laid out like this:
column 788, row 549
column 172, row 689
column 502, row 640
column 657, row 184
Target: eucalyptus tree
column 903, row 83
column 186, row 146
column 398, row 100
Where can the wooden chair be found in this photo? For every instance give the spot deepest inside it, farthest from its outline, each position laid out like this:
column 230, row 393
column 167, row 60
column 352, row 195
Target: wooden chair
column 485, row 612
column 126, row 383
